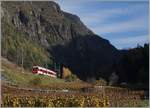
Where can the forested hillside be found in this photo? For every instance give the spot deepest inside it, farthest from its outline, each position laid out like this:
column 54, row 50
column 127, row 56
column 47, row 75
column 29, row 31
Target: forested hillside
column 133, row 68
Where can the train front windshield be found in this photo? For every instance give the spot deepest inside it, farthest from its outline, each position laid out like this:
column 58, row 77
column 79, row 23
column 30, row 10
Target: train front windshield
column 34, row 70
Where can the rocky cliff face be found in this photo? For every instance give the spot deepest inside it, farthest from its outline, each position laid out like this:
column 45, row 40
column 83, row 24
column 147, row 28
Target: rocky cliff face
column 61, row 35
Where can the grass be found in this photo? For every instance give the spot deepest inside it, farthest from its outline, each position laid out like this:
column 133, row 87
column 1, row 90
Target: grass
column 14, row 75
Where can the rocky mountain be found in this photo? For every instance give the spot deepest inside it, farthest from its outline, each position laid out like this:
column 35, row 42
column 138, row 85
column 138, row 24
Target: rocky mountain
column 41, row 30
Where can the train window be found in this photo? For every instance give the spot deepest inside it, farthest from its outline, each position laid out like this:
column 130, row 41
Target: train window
column 35, row 69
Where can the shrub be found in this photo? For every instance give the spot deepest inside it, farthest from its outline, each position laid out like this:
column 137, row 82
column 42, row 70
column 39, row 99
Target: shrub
column 100, row 82
column 71, row 77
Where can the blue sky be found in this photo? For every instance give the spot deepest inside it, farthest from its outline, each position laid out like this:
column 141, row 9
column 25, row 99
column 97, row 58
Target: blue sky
column 124, row 23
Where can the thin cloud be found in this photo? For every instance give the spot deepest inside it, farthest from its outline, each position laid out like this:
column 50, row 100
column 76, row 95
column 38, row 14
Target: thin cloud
column 130, row 25
column 104, row 15
column 100, row 16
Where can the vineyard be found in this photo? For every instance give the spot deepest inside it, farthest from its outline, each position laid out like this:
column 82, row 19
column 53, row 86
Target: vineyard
column 105, row 97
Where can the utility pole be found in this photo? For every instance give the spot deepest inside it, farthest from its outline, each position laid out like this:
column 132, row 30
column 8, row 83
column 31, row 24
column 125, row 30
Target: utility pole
column 22, row 59
column 46, row 64
column 5, row 46
column 55, row 66
column 32, row 59
column 60, row 74
column 17, row 55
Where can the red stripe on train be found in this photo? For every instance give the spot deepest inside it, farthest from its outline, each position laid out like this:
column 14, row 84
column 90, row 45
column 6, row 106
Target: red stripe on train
column 44, row 71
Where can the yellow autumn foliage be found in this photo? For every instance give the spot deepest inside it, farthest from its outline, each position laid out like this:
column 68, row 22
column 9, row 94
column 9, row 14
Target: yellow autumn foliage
column 66, row 72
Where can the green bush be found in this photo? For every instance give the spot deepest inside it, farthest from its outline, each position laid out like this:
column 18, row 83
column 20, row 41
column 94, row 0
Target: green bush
column 71, row 77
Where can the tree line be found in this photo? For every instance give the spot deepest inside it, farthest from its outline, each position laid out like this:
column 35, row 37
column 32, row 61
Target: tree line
column 133, row 67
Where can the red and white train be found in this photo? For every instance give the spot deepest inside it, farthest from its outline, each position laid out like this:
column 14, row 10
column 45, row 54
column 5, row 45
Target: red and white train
column 44, row 71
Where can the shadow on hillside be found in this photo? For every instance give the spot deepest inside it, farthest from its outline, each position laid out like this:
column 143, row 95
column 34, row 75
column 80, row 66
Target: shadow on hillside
column 86, row 56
